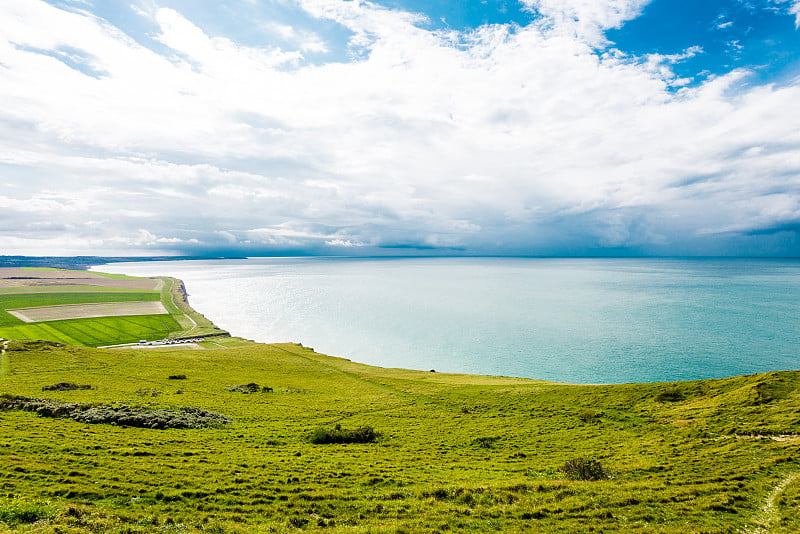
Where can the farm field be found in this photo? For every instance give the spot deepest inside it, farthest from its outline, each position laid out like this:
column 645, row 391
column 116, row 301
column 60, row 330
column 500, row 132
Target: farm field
column 454, row 453
column 84, row 311
column 37, row 277
column 96, row 331
column 93, row 309
column 58, row 298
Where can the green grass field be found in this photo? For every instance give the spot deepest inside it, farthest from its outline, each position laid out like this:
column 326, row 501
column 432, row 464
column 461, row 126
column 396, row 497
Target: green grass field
column 67, row 288
column 457, row 453
column 10, row 302
column 96, row 331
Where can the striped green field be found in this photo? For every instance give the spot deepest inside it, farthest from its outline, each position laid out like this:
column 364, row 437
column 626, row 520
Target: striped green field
column 95, row 331
column 6, row 319
column 30, row 300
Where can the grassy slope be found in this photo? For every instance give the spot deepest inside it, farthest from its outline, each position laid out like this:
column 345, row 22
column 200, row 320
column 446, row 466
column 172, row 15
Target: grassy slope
column 706, row 463
column 192, row 323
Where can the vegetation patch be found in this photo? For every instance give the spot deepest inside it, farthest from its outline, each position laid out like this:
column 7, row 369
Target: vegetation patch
column 591, row 416
column 19, row 512
column 25, row 345
column 252, row 387
column 584, row 469
column 485, row 442
column 364, row 434
column 66, row 386
column 176, row 377
column 121, row 415
column 670, row 395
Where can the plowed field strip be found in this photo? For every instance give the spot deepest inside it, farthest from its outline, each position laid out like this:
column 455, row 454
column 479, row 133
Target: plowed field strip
column 85, row 311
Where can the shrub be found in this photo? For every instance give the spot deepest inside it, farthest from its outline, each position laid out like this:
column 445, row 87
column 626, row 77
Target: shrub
column 148, row 392
column 669, row 395
column 590, row 416
column 584, row 469
column 485, row 442
column 24, row 344
column 364, row 434
column 136, row 416
column 15, row 513
column 252, row 387
column 65, row 386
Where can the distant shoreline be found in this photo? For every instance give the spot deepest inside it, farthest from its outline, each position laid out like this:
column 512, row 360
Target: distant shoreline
column 83, row 263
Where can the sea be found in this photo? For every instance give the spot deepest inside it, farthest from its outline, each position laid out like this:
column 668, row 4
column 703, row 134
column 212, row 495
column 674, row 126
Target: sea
column 579, row 320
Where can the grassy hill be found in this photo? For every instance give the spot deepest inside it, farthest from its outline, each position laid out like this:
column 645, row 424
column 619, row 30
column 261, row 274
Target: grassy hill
column 455, row 453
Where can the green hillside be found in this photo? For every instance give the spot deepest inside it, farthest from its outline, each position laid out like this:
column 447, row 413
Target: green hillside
column 455, row 453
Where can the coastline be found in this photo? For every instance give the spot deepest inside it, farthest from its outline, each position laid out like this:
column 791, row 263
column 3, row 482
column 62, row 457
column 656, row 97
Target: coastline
column 576, row 321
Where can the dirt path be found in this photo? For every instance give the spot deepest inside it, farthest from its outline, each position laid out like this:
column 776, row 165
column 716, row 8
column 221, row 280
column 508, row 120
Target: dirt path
column 5, row 360
column 769, row 513
column 175, row 305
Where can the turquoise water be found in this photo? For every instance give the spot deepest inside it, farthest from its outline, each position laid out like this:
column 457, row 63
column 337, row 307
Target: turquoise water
column 570, row 320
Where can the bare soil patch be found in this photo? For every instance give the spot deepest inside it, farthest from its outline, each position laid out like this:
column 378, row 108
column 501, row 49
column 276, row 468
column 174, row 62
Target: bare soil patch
column 11, row 276
column 85, row 311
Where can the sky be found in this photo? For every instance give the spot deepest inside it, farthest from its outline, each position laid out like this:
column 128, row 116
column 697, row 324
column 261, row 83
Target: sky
column 397, row 127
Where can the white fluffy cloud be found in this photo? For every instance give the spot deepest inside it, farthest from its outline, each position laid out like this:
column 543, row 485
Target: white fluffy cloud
column 795, row 10
column 587, row 19
column 500, row 139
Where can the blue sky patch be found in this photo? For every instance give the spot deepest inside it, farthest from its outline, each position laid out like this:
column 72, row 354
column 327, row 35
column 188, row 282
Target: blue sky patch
column 759, row 36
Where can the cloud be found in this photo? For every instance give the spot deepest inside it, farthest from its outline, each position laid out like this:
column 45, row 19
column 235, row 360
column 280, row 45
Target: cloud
column 794, row 9
column 502, row 139
column 587, row 19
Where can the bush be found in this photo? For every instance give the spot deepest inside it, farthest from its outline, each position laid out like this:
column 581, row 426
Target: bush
column 584, row 469
column 252, row 387
column 65, row 386
column 590, row 416
column 24, row 344
column 485, row 442
column 15, row 513
column 148, row 392
column 669, row 395
column 364, row 434
column 136, row 416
